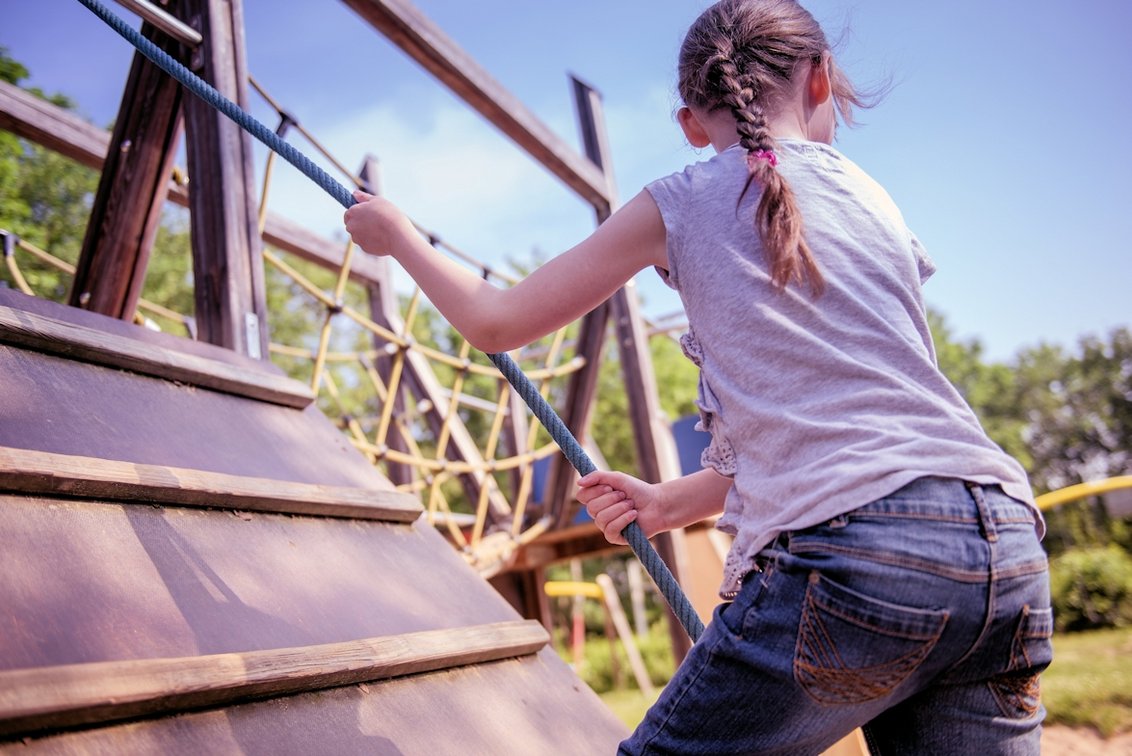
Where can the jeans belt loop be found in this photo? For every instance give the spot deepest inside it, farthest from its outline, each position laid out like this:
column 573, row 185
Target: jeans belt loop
column 986, row 519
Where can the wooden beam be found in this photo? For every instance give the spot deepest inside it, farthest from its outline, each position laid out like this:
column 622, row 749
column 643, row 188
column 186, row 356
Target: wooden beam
column 655, row 447
column 425, row 43
column 34, row 700
column 48, row 474
column 60, row 130
column 131, row 191
column 591, row 336
column 42, row 122
column 42, row 334
column 231, row 308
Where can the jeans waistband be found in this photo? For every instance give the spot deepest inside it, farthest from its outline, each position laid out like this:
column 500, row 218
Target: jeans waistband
column 951, row 499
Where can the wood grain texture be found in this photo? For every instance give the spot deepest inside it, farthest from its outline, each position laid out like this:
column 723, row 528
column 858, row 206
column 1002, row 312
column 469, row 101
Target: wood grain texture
column 77, row 342
column 227, row 256
column 34, row 700
column 43, row 473
column 515, row 707
column 67, row 133
column 93, row 581
column 132, row 189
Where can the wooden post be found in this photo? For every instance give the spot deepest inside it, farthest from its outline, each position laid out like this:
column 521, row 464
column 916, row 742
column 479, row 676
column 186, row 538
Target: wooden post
column 636, row 363
column 227, row 258
column 637, row 598
column 132, row 189
column 617, row 614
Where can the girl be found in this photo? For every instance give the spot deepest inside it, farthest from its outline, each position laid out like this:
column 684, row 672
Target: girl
column 886, row 570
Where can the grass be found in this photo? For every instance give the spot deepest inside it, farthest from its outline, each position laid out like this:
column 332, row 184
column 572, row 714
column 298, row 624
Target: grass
column 629, row 705
column 1089, row 684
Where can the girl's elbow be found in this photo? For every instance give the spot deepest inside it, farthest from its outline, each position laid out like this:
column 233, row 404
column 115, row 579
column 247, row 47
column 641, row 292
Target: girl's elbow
column 493, row 335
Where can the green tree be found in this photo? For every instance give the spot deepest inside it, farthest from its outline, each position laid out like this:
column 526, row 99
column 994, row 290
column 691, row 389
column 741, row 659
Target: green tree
column 990, row 389
column 1078, row 410
column 45, row 198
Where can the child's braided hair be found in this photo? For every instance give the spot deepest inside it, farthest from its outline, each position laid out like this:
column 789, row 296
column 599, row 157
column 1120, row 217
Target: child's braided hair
column 742, row 55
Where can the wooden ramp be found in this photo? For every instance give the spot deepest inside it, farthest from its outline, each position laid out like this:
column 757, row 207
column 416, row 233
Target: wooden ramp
column 194, row 560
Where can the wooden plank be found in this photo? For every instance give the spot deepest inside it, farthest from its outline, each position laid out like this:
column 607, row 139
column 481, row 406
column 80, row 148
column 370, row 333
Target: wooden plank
column 28, row 330
column 34, row 700
column 55, row 128
column 93, row 581
column 132, row 189
column 38, row 120
column 231, row 309
column 44, row 473
column 526, row 705
column 425, row 43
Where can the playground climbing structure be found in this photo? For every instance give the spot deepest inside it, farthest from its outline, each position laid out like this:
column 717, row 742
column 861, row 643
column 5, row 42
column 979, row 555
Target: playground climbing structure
column 190, row 530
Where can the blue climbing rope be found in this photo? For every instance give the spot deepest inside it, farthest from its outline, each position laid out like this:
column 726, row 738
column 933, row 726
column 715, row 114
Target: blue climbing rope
column 546, row 415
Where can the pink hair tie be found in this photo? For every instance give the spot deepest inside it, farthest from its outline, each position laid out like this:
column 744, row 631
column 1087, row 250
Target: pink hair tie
column 767, row 155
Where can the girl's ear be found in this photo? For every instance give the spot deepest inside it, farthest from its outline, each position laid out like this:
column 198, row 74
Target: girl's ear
column 694, row 131
column 819, row 86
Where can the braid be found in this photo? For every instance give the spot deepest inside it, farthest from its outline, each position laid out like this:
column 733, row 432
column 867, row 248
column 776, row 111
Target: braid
column 741, row 54
column 777, row 219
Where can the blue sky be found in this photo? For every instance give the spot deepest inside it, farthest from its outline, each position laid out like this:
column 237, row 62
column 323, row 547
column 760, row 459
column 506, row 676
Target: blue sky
column 1003, row 138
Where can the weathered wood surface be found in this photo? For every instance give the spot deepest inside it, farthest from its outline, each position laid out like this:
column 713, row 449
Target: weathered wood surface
column 131, row 190
column 94, row 581
column 425, row 43
column 52, row 404
column 527, row 705
column 35, row 700
column 67, row 133
column 227, row 255
column 31, row 331
column 43, row 473
column 60, row 130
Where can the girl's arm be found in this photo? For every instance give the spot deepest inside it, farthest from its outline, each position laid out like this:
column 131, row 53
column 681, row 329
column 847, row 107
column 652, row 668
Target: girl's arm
column 615, row 499
column 561, row 291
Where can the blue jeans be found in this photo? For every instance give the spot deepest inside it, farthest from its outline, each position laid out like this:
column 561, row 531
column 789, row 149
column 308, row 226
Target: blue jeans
column 923, row 617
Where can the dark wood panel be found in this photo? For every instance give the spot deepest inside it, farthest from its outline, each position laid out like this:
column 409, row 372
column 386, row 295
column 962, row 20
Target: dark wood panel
column 26, row 329
column 227, row 254
column 36, row 700
column 53, row 404
column 36, row 472
column 30, row 117
column 132, row 189
column 529, row 705
column 84, row 582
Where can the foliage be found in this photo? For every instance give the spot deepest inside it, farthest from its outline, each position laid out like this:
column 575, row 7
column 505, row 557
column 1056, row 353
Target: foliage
column 1089, row 683
column 45, row 198
column 1080, row 417
column 1092, row 588
column 598, row 666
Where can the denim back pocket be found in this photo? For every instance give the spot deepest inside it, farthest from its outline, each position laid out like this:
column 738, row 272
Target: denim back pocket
column 1017, row 690
column 852, row 648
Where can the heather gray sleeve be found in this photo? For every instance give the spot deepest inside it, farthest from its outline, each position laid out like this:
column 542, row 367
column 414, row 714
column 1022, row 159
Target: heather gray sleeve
column 666, row 193
column 924, row 262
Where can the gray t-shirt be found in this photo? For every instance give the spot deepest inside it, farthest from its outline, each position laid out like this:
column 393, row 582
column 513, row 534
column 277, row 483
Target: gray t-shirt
column 815, row 406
